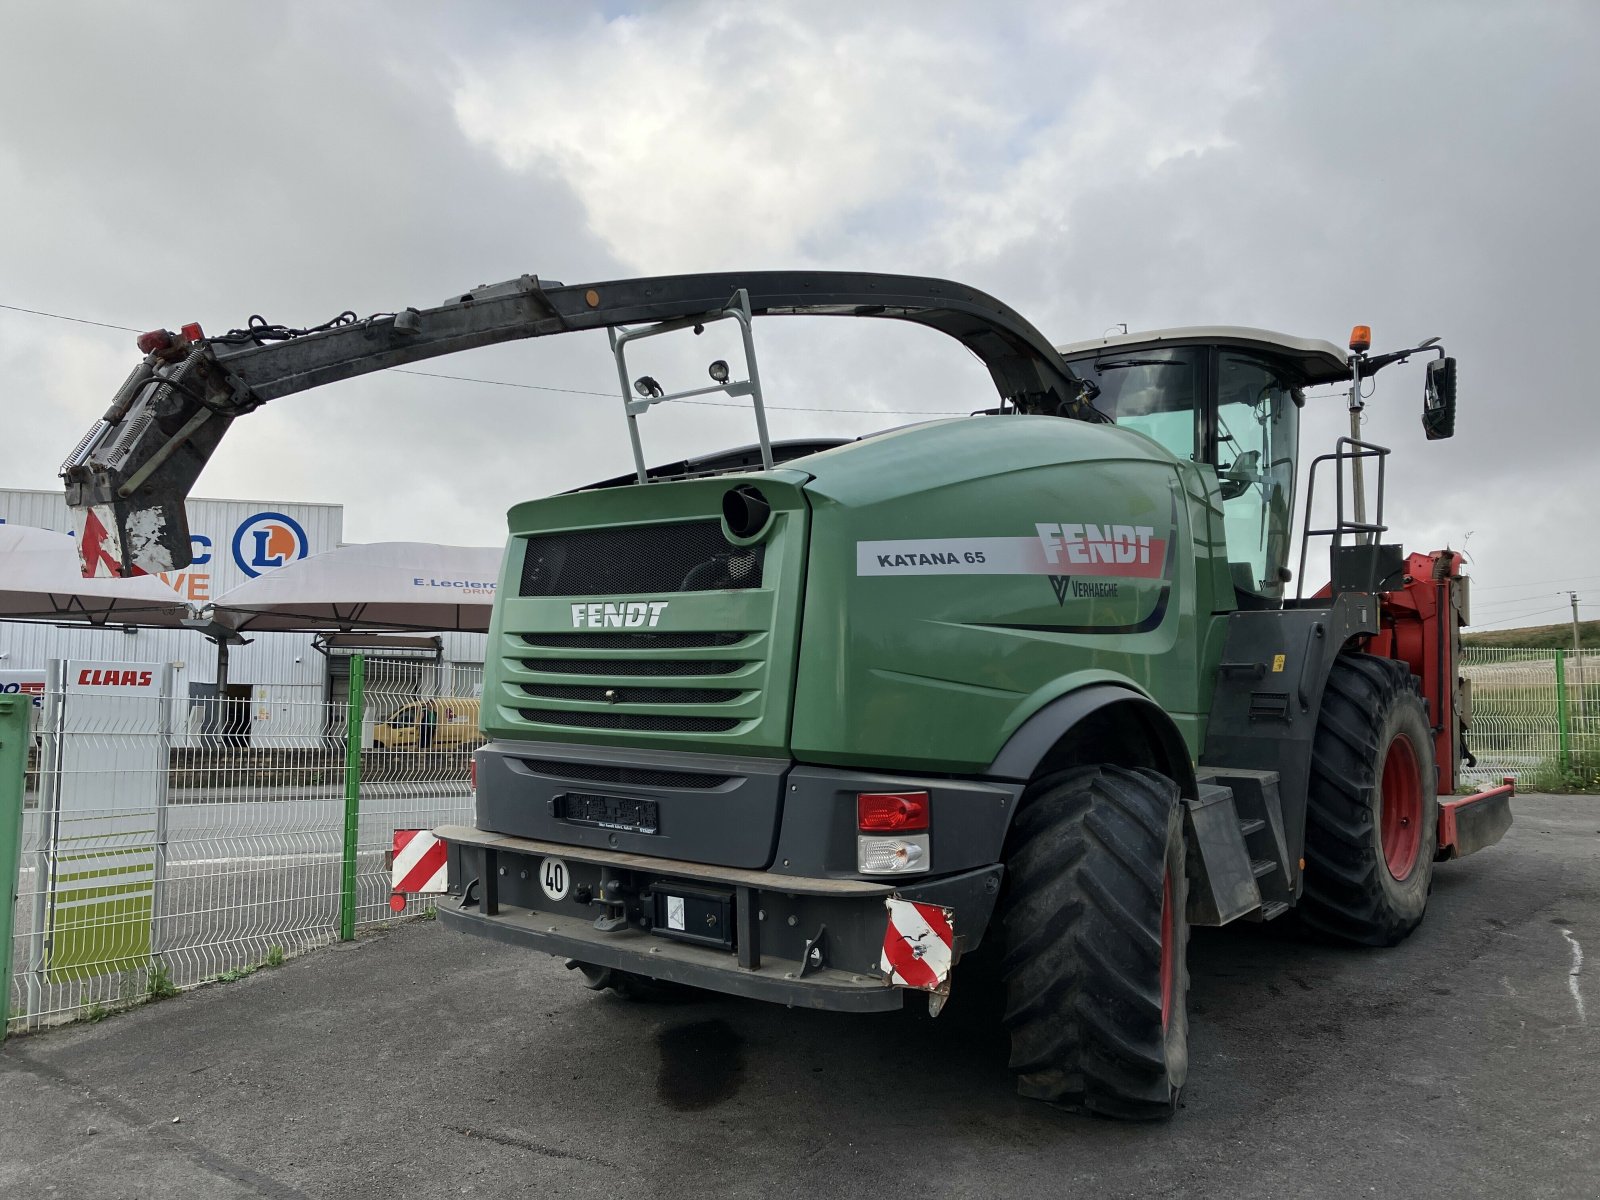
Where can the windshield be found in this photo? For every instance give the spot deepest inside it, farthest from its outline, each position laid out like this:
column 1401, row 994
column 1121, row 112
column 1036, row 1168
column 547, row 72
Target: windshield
column 1152, row 391
column 1257, row 430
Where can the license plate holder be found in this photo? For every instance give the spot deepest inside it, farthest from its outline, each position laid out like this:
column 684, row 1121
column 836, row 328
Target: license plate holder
column 693, row 914
column 626, row 813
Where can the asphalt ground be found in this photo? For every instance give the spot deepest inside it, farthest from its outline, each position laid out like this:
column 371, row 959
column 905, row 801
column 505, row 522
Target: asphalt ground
column 420, row 1062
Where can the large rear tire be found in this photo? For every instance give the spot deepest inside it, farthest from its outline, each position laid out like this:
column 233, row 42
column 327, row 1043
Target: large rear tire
column 1372, row 810
column 1095, row 938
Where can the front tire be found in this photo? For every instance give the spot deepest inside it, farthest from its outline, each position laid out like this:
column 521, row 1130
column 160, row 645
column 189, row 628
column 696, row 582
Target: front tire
column 1372, row 810
column 628, row 985
column 1095, row 937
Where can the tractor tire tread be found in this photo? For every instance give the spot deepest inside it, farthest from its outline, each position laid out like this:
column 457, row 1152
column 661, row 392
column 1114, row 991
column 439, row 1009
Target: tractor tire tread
column 1345, row 896
column 1081, row 918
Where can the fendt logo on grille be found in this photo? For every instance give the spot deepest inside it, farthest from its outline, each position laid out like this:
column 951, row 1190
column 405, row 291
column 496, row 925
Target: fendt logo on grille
column 638, row 614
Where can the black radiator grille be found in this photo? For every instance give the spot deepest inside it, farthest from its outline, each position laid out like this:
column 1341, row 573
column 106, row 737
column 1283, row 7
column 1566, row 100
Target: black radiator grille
column 633, row 641
column 631, row 695
column 642, row 722
column 660, row 668
column 636, row 560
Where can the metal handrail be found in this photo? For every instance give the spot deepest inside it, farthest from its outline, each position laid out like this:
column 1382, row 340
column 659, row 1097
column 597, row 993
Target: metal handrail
column 1346, row 449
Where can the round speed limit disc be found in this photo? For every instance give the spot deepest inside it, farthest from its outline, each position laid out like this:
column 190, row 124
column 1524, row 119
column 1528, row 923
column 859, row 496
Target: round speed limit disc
column 554, row 878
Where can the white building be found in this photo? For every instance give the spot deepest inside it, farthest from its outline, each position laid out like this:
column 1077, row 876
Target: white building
column 235, row 540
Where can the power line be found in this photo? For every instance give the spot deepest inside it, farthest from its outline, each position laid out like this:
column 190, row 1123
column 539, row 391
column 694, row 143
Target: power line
column 532, row 387
column 1533, row 583
column 1522, row 617
column 37, row 312
column 1515, row 600
column 714, row 403
column 538, row 387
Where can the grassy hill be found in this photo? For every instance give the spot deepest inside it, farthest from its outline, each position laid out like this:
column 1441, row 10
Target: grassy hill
column 1538, row 637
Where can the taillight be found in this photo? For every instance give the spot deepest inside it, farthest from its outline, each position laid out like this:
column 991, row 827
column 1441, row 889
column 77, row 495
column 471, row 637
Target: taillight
column 472, row 775
column 892, row 833
column 193, row 332
column 892, row 812
column 155, row 340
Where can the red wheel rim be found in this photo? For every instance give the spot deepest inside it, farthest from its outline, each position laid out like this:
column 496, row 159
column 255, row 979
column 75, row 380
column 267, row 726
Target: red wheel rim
column 1401, row 822
column 1167, row 950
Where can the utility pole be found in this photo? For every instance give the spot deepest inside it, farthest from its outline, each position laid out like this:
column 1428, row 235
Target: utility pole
column 1577, row 651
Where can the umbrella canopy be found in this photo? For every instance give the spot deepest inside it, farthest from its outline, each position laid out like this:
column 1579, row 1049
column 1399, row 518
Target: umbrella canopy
column 382, row 585
column 41, row 579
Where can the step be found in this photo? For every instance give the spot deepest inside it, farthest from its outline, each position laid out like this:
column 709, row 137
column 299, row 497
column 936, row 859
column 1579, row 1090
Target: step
column 1249, row 825
column 1273, row 908
column 1260, row 867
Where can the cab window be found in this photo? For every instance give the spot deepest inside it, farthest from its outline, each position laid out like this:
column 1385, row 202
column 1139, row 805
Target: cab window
column 1257, row 428
column 404, row 717
column 1153, row 391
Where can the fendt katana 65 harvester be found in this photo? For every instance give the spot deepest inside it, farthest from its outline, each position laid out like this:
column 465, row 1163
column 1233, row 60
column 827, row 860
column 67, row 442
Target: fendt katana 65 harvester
column 810, row 721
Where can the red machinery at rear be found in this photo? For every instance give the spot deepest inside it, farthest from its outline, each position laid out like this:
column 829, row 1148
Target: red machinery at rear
column 1421, row 627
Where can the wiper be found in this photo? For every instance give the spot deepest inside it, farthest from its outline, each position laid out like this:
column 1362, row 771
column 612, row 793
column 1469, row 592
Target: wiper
column 1139, row 362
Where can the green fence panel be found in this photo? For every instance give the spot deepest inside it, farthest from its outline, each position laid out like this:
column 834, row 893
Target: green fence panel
column 15, row 712
column 352, row 798
column 1563, row 718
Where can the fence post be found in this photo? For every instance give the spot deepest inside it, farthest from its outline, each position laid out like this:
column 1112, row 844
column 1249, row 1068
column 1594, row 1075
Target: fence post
column 352, row 797
column 1563, row 721
column 15, row 712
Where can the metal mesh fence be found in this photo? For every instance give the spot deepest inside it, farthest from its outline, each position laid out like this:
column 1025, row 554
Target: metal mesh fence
column 1535, row 716
column 158, row 854
column 168, row 841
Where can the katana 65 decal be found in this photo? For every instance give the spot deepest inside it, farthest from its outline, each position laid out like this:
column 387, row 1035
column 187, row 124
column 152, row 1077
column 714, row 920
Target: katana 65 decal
column 1056, row 548
column 1081, row 560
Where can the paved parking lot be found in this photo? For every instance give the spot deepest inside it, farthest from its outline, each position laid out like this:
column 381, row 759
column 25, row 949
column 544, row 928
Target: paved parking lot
column 422, row 1063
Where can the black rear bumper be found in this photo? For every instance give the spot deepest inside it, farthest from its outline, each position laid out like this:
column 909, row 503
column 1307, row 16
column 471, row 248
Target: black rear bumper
column 794, row 940
column 677, row 962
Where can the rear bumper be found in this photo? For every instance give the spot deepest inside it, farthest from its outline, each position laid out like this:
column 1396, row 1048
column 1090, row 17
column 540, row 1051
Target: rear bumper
column 696, row 966
column 804, row 942
column 1468, row 824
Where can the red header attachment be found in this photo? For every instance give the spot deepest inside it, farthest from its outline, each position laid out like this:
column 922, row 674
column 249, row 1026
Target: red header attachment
column 892, row 812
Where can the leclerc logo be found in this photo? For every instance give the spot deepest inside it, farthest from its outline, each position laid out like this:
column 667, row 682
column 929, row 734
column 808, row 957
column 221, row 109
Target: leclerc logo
column 268, row 540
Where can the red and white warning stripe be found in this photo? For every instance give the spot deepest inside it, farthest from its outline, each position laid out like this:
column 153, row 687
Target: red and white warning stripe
column 420, row 866
column 918, row 945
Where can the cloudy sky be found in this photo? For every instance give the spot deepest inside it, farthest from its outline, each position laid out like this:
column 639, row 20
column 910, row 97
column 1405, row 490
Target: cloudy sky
column 1427, row 168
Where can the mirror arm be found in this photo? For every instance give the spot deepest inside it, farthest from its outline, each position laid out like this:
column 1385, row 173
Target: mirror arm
column 1371, row 366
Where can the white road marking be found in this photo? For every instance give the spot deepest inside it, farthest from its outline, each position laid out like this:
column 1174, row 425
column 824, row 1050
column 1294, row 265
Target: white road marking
column 1572, row 975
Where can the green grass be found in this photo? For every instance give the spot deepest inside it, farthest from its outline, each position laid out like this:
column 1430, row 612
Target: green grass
column 274, row 958
column 159, row 985
column 1537, row 637
column 1581, row 775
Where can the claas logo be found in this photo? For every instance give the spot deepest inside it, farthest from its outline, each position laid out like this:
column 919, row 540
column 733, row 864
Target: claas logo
column 99, row 677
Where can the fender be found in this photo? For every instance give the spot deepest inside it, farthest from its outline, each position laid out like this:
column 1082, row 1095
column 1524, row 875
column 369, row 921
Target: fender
column 1150, row 738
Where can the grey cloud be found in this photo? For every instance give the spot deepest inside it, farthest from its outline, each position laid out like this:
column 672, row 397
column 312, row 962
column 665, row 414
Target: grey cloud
column 1426, row 168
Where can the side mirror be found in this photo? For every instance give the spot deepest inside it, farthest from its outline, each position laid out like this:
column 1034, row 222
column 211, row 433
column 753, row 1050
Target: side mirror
column 1439, row 400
